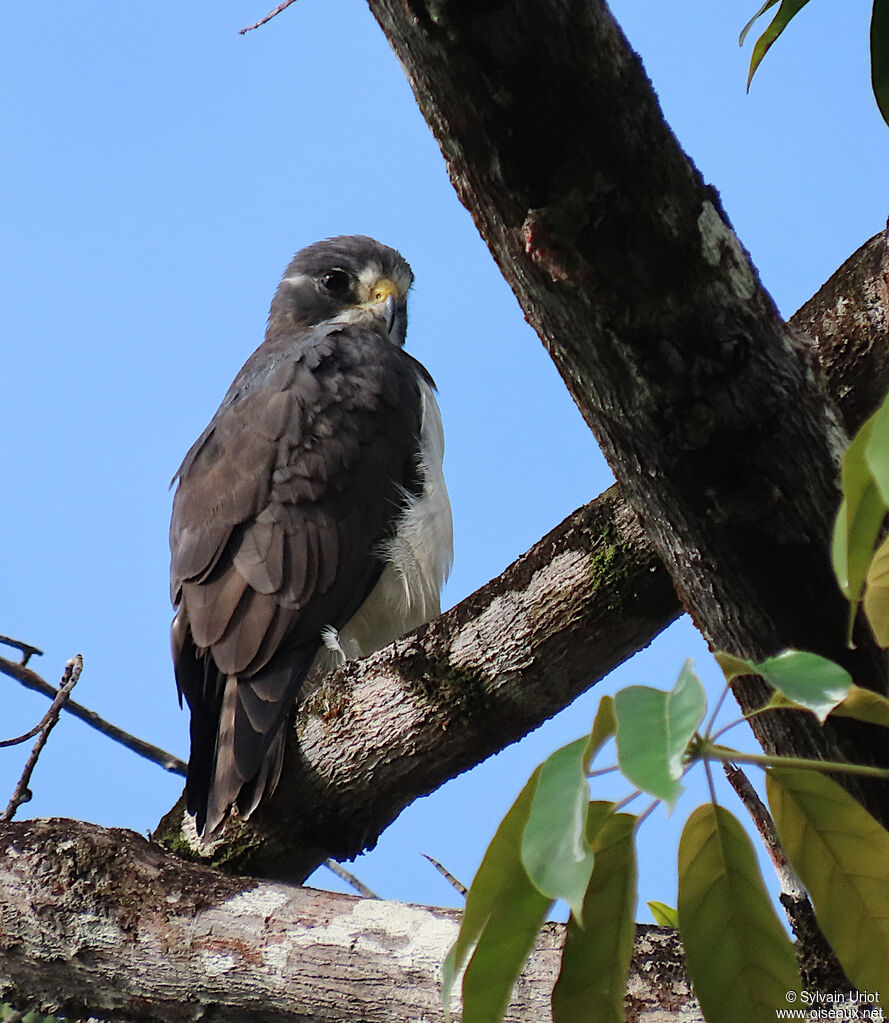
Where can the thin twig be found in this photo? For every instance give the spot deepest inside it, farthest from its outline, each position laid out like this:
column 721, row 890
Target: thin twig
column 69, row 680
column 31, row 680
column 646, row 813
column 350, row 879
column 712, row 787
column 762, row 821
column 27, row 650
column 267, row 18
column 19, row 739
column 447, row 875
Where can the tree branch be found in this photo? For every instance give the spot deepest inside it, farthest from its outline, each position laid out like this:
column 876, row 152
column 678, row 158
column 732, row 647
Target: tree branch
column 380, row 732
column 707, row 406
column 69, row 680
column 102, row 922
column 31, row 680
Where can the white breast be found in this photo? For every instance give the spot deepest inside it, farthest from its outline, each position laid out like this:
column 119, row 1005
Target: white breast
column 418, row 557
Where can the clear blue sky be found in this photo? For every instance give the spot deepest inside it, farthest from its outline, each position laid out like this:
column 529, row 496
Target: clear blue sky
column 160, row 170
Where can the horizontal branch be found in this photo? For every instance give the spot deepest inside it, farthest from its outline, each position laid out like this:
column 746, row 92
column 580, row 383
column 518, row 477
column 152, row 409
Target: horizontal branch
column 99, row 922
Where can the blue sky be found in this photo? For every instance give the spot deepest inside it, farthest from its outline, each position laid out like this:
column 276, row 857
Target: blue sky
column 160, row 170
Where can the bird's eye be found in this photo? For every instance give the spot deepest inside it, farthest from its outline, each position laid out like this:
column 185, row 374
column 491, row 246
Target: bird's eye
column 336, row 282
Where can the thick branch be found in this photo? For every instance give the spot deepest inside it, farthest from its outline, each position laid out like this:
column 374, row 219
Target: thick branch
column 101, row 922
column 380, row 732
column 706, row 405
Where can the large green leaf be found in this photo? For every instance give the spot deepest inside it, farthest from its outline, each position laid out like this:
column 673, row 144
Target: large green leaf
column 654, row 729
column 807, row 679
column 876, row 596
column 554, row 849
column 739, row 957
column 859, row 519
column 842, row 855
column 503, row 914
column 592, row 981
column 787, row 10
column 879, row 55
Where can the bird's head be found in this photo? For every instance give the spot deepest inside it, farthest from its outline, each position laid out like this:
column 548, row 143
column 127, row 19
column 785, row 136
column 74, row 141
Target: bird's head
column 347, row 279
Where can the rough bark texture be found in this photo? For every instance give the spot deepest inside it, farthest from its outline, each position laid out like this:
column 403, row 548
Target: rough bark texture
column 848, row 318
column 624, row 601
column 380, row 732
column 102, row 922
column 707, row 406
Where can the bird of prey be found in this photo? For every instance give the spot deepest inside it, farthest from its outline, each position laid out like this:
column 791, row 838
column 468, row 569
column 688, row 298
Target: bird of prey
column 311, row 522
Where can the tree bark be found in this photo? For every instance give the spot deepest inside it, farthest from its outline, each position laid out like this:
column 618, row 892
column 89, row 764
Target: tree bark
column 605, row 593
column 102, row 922
column 707, row 406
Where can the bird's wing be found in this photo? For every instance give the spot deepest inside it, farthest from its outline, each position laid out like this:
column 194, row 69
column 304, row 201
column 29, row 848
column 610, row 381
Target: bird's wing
column 282, row 509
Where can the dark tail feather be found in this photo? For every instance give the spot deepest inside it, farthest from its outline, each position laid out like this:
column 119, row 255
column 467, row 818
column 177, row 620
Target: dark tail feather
column 237, row 747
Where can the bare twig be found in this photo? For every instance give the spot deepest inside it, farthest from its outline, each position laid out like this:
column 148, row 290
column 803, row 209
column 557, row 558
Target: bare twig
column 31, row 680
column 762, row 821
column 69, row 680
column 350, row 879
column 267, row 18
column 447, row 875
column 27, row 650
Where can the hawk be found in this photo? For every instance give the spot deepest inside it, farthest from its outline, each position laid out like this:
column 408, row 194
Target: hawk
column 311, row 522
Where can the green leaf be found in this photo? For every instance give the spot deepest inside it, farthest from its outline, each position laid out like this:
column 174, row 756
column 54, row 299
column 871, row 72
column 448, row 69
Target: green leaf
column 604, row 728
column 842, row 855
column 864, row 705
column 664, row 915
column 740, row 959
column 788, row 10
column 554, row 849
column 503, row 914
column 879, row 55
column 592, row 980
column 653, row 732
column 859, row 519
column 809, row 680
column 876, row 596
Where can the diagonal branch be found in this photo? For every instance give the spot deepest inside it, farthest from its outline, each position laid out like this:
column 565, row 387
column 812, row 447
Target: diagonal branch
column 31, row 680
column 69, row 680
column 709, row 408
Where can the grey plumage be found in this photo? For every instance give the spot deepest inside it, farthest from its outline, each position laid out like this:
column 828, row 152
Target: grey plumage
column 289, row 511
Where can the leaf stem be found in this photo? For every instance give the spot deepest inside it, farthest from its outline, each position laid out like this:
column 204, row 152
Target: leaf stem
column 746, row 717
column 716, row 710
column 709, row 751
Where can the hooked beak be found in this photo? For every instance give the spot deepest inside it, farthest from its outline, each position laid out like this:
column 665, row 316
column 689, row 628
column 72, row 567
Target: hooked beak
column 391, row 309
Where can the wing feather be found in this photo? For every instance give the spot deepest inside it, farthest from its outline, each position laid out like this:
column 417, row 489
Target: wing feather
column 282, row 512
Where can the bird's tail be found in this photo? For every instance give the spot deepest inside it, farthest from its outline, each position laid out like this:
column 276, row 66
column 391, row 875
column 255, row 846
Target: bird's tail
column 237, row 755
